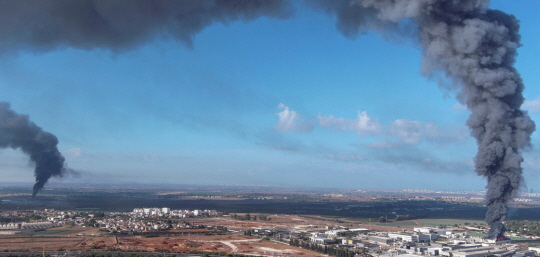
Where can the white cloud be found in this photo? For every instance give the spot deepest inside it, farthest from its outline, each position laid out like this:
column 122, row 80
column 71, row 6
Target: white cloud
column 73, row 152
column 290, row 120
column 397, row 134
column 459, row 107
column 336, row 123
column 407, row 131
column 364, row 125
column 533, row 106
column 411, row 131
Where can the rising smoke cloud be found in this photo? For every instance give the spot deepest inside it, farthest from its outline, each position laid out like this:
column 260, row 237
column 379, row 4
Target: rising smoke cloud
column 471, row 44
column 476, row 48
column 18, row 132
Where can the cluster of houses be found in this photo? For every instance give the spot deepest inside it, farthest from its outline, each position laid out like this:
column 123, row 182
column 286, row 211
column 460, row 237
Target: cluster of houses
column 141, row 219
column 167, row 212
column 149, row 219
column 421, row 241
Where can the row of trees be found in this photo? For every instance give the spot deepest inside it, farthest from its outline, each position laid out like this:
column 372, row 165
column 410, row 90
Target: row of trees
column 384, row 219
column 14, row 219
column 252, row 232
column 323, row 219
column 249, row 217
column 25, row 217
column 405, row 217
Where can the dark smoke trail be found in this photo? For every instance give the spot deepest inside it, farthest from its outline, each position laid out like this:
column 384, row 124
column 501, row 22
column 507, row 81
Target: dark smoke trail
column 114, row 24
column 471, row 44
column 18, row 132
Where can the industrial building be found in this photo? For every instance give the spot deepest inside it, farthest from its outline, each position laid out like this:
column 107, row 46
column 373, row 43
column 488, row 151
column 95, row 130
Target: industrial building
column 380, row 239
column 413, row 237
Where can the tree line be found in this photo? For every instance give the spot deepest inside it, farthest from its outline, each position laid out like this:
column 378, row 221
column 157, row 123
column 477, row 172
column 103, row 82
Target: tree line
column 248, row 216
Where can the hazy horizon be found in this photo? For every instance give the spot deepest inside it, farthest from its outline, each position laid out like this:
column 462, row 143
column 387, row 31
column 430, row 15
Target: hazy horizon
column 59, row 184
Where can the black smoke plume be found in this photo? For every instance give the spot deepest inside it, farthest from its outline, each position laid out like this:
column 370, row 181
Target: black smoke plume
column 18, row 132
column 476, row 48
column 471, row 44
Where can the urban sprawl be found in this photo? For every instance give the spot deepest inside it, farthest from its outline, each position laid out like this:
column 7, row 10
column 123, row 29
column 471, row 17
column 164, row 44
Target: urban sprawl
column 449, row 240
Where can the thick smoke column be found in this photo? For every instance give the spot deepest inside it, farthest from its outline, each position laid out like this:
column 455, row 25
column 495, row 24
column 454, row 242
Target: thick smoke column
column 476, row 48
column 473, row 45
column 18, row 132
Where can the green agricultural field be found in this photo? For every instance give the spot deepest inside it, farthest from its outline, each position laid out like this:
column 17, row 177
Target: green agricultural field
column 448, row 222
column 398, row 224
column 431, row 223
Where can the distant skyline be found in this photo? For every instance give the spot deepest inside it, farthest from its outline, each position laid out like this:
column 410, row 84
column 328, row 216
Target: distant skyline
column 277, row 102
column 184, row 188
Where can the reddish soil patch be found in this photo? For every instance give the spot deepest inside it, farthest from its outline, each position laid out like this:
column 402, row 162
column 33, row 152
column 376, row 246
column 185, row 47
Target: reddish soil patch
column 55, row 244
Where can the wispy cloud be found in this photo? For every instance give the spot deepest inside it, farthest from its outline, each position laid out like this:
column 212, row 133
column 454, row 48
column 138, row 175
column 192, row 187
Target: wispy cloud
column 397, row 133
column 459, row 107
column 291, row 121
column 533, row 106
column 73, row 152
column 363, row 125
column 411, row 131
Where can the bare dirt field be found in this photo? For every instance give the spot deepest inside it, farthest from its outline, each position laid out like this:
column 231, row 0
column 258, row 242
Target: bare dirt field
column 54, row 243
column 186, row 243
column 270, row 248
column 279, row 221
column 212, row 243
column 74, row 231
column 81, row 239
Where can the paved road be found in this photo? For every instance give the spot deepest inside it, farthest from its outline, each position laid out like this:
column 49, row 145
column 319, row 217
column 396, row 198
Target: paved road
column 234, row 248
column 229, row 243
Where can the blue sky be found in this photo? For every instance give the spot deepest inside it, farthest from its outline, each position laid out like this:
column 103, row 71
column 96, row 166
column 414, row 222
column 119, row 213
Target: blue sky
column 287, row 102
